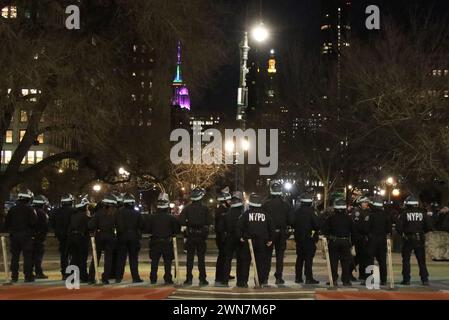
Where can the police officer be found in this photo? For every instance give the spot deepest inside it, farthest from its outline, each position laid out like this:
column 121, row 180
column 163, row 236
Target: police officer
column 306, row 224
column 279, row 211
column 223, row 198
column 412, row 225
column 78, row 237
column 129, row 233
column 20, row 223
column 197, row 220
column 255, row 224
column 339, row 228
column 163, row 227
column 59, row 221
column 103, row 224
column 228, row 225
column 360, row 237
column 378, row 228
column 39, row 203
column 115, row 253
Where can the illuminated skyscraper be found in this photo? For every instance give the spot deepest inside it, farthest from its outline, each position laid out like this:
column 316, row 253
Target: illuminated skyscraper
column 181, row 96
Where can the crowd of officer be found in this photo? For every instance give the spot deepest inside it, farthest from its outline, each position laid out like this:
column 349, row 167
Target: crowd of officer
column 247, row 232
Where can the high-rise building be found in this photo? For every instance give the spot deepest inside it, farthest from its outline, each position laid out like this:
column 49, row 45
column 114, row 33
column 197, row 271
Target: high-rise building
column 181, row 96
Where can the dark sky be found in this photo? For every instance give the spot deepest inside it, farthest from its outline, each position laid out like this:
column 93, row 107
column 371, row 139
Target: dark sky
column 290, row 20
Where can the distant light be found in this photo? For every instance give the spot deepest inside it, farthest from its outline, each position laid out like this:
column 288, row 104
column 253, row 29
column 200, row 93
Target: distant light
column 97, row 187
column 382, row 192
column 172, row 205
column 245, row 145
column 350, row 187
column 211, row 200
column 260, row 33
column 121, row 170
column 396, row 192
column 272, row 51
column 318, row 196
column 181, row 207
column 390, row 181
column 60, row 171
column 229, row 146
column 288, row 186
column 136, row 208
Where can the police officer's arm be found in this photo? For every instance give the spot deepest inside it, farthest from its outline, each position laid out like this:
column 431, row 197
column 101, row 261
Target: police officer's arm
column 8, row 221
column 428, row 226
column 183, row 216
column 176, row 226
column 93, row 222
column 209, row 218
column 241, row 225
column 389, row 224
column 400, row 223
column 32, row 218
column 270, row 227
column 149, row 225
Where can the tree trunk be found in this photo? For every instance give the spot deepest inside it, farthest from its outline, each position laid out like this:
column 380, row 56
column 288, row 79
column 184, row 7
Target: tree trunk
column 325, row 194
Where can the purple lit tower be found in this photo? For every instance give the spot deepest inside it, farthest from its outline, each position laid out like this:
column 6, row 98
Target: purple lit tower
column 181, row 96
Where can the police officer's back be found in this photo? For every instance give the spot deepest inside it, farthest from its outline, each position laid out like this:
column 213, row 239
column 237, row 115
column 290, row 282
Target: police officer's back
column 40, row 203
column 20, row 223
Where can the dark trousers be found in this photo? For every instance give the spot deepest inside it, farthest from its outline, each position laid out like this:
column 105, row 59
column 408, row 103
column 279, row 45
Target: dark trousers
column 262, row 255
column 196, row 245
column 105, row 245
column 21, row 243
column 305, row 251
column 361, row 258
column 377, row 248
column 219, row 265
column 417, row 246
column 231, row 249
column 63, row 254
column 161, row 248
column 78, row 248
column 38, row 255
column 130, row 249
column 279, row 246
column 340, row 250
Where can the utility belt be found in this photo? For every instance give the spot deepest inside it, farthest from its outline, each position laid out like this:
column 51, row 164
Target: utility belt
column 160, row 239
column 197, row 231
column 335, row 238
column 414, row 236
column 112, row 232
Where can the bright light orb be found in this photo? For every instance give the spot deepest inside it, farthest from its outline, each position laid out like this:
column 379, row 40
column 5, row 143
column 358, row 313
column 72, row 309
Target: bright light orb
column 245, row 144
column 288, row 186
column 260, row 33
column 97, row 187
column 390, row 181
column 382, row 192
column 229, row 146
column 396, row 192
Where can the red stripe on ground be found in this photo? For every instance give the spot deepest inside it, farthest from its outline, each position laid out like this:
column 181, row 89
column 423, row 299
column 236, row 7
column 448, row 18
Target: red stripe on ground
column 58, row 293
column 383, row 295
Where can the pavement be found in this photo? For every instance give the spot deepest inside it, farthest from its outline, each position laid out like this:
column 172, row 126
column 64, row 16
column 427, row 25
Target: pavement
column 54, row 289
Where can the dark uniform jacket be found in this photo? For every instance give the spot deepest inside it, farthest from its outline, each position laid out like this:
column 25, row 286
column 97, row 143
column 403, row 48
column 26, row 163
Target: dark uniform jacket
column 360, row 225
column 413, row 221
column 41, row 224
column 378, row 223
column 228, row 225
column 129, row 224
column 197, row 218
column 279, row 211
column 79, row 224
column 339, row 225
column 60, row 220
column 255, row 223
column 219, row 215
column 21, row 219
column 305, row 222
column 104, row 223
column 163, row 225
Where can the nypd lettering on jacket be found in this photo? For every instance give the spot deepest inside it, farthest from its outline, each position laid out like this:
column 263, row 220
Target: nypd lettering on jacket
column 415, row 216
column 256, row 217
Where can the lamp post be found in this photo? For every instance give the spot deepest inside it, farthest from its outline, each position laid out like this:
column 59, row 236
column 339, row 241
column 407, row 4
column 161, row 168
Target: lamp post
column 260, row 34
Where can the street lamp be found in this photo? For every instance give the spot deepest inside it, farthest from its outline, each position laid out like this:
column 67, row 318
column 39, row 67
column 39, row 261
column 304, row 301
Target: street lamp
column 97, row 187
column 229, row 146
column 260, row 32
column 396, row 192
column 288, row 186
column 390, row 181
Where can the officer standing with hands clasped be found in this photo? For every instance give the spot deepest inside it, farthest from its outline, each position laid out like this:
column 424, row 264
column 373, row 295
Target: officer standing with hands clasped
column 306, row 224
column 412, row 225
column 39, row 203
column 378, row 228
column 129, row 233
column 223, row 198
column 360, row 238
column 197, row 220
column 59, row 221
column 255, row 224
column 20, row 223
column 228, row 225
column 163, row 227
column 339, row 228
column 78, row 237
column 279, row 211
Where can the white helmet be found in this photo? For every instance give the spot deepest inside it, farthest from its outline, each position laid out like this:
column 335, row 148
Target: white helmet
column 68, row 198
column 25, row 195
column 84, row 202
column 163, row 202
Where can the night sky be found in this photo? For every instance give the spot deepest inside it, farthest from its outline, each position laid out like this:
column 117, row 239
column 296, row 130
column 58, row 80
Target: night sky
column 290, row 20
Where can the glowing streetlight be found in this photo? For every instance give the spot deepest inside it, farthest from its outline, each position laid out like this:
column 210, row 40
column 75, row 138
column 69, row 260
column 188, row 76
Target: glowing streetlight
column 245, row 145
column 382, row 192
column 211, row 200
column 390, row 181
column 318, row 196
column 396, row 192
column 121, row 171
column 260, row 33
column 60, row 170
column 97, row 187
column 288, row 186
column 350, row 187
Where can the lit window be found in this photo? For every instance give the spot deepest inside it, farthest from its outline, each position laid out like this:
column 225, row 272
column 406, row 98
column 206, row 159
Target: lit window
column 24, row 160
column 39, row 156
column 40, row 138
column 23, row 116
column 8, row 136
column 9, row 12
column 30, row 157
column 133, row 97
column 25, row 92
column 8, row 155
column 21, row 134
